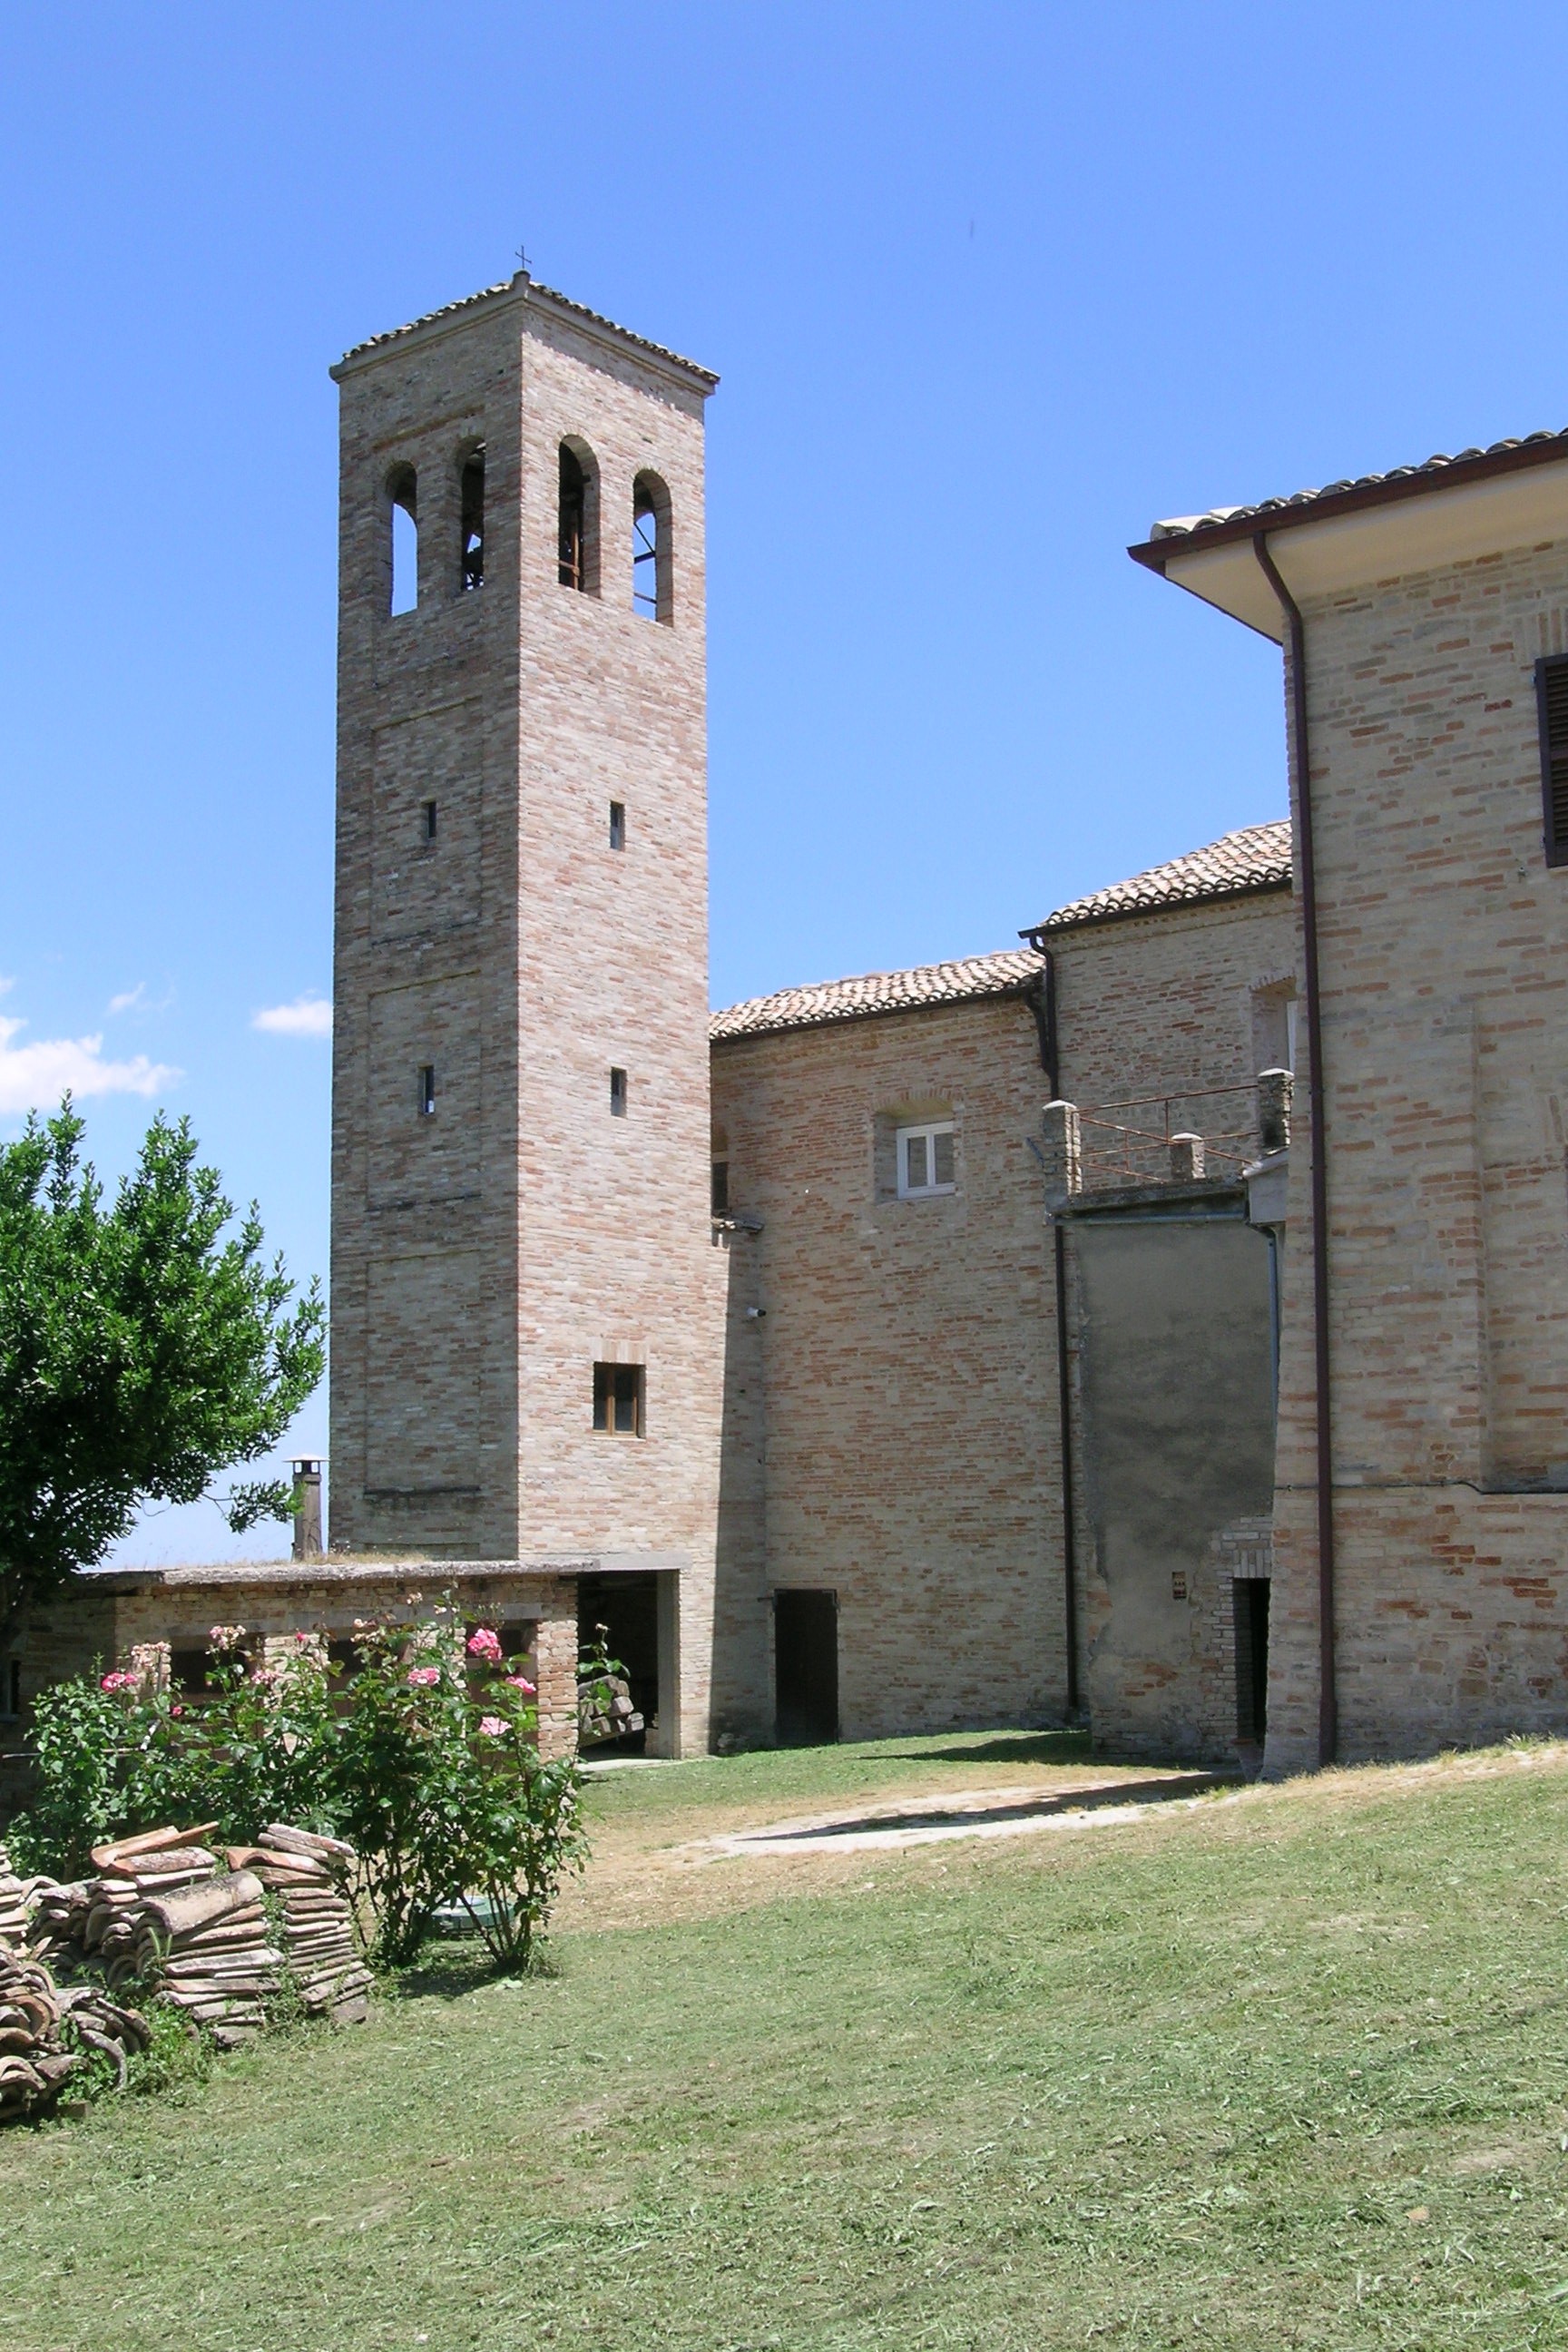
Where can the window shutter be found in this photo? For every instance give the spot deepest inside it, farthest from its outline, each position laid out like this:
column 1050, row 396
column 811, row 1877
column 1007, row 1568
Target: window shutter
column 1552, row 696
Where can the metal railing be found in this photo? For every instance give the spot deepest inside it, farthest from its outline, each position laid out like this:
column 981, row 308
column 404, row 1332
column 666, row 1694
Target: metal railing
column 1120, row 1150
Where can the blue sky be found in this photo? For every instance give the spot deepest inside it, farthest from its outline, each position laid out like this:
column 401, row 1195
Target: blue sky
column 989, row 287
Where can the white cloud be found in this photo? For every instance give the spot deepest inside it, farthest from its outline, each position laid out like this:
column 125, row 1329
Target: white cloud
column 136, row 1000
column 308, row 1016
column 34, row 1078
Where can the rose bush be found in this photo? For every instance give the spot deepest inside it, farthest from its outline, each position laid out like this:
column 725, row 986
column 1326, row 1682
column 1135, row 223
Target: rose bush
column 433, row 1776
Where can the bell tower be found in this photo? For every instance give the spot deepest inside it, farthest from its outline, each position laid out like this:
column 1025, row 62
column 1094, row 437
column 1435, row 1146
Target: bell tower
column 527, row 1307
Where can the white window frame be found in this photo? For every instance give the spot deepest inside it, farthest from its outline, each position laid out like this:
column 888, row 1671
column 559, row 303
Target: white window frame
column 927, row 1129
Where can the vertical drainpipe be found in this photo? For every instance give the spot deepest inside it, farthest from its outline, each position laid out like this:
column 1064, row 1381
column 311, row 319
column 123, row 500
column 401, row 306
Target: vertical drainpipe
column 1043, row 1003
column 1328, row 1703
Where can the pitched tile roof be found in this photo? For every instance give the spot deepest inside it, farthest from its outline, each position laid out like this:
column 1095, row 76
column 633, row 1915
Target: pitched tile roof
column 506, row 285
column 1257, row 858
column 1498, row 456
column 1008, row 974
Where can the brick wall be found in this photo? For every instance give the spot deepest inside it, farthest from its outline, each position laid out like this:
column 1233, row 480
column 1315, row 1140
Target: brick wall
column 1154, row 1005
column 890, row 1430
column 891, row 1418
column 1444, row 945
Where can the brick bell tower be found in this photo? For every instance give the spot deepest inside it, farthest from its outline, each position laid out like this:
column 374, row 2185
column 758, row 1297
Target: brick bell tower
column 527, row 1307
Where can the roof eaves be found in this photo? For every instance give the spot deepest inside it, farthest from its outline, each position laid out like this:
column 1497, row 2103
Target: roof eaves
column 1184, row 533
column 832, row 1014
column 1172, row 903
column 526, row 289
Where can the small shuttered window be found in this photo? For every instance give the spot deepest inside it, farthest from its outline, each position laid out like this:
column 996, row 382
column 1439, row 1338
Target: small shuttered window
column 1552, row 695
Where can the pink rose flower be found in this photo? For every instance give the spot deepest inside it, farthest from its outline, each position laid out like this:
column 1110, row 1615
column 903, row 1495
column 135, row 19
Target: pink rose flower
column 118, row 1681
column 422, row 1678
column 485, row 1644
column 494, row 1725
column 521, row 1683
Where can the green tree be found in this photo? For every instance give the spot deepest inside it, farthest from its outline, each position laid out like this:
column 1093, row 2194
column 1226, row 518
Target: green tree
column 144, row 1348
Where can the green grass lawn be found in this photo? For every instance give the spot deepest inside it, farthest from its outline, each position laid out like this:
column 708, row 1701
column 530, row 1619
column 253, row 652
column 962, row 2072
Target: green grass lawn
column 1289, row 2069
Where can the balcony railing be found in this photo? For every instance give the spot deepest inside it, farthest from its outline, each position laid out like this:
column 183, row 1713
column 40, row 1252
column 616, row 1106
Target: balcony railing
column 1131, row 1142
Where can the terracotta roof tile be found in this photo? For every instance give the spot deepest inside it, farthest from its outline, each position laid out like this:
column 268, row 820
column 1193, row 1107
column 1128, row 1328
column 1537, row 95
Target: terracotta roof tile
column 1184, row 525
column 507, row 285
column 1257, row 858
column 1006, row 974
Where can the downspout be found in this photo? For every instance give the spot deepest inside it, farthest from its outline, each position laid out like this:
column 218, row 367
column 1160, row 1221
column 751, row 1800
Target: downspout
column 1043, row 1004
column 1295, row 640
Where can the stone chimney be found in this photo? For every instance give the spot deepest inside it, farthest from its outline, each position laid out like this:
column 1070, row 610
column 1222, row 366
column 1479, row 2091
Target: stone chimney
column 306, row 1510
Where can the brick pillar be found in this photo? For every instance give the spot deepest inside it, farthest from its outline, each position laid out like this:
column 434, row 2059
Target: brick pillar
column 555, row 1672
column 149, row 1662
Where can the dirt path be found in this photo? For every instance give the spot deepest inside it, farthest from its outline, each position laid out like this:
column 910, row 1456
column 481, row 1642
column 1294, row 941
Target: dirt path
column 683, row 1849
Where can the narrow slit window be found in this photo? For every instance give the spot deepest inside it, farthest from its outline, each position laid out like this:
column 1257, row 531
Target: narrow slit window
column 651, row 548
column 721, row 1188
column 403, row 490
column 428, row 815
column 926, row 1160
column 619, row 1400
column 427, row 1090
column 617, row 824
column 473, row 519
column 617, row 1093
column 1551, row 702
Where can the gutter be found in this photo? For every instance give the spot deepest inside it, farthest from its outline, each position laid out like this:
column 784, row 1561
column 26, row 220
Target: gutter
column 1301, row 761
column 1043, row 1004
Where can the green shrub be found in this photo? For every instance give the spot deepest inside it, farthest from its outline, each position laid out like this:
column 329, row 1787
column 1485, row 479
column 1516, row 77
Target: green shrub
column 114, row 1756
column 520, row 1828
column 424, row 1758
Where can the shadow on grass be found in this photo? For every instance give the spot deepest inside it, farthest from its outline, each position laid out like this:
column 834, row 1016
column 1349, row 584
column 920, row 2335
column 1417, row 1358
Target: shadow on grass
column 449, row 1969
column 1013, row 1748
column 977, row 1814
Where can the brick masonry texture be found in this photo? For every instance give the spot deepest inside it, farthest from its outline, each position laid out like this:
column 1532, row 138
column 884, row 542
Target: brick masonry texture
column 1444, row 946
column 484, row 1258
column 890, row 1433
column 1160, row 1009
column 891, row 1423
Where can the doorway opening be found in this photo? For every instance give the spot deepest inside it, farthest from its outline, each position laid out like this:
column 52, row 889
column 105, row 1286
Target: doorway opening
column 1250, row 1595
column 805, row 1665
column 627, row 1608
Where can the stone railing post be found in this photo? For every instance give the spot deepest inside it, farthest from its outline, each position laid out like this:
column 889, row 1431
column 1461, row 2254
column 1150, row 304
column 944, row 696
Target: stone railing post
column 1062, row 1151
column 1275, row 1088
column 1187, row 1158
